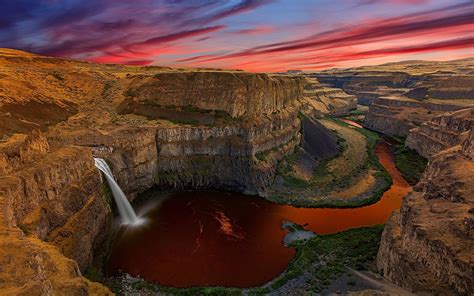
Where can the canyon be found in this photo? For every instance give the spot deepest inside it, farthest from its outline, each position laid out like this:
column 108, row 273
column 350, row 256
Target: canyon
column 211, row 129
column 57, row 114
column 403, row 95
column 427, row 245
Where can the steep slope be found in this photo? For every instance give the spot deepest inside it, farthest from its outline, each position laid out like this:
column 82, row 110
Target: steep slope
column 321, row 100
column 396, row 116
column 427, row 245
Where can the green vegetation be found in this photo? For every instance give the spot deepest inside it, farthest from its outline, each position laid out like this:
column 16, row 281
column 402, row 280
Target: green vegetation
column 326, row 256
column 322, row 258
column 184, row 121
column 26, row 230
column 294, row 182
column 357, row 112
column 109, row 198
column 190, row 108
column 409, row 162
column 324, row 180
column 107, row 87
column 224, row 116
column 262, row 156
column 130, row 93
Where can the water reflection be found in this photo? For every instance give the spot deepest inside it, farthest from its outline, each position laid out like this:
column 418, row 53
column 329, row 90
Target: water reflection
column 229, row 239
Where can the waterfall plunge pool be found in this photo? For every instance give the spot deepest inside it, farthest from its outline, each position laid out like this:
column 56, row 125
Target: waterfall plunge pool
column 207, row 238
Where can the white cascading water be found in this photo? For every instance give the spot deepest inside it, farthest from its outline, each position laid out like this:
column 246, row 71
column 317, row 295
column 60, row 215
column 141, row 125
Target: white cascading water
column 127, row 215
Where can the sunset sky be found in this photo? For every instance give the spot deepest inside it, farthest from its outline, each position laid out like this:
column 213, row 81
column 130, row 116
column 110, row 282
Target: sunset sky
column 254, row 35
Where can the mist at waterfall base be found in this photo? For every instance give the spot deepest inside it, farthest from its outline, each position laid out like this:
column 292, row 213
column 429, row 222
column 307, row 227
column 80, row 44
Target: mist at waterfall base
column 126, row 212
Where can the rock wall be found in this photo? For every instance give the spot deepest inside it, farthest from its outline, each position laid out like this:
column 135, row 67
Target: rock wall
column 397, row 116
column 427, row 245
column 224, row 157
column 441, row 133
column 322, row 100
column 47, row 194
column 237, row 93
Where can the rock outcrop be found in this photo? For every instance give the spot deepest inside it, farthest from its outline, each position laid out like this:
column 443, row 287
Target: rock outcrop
column 441, row 133
column 47, row 195
column 236, row 93
column 396, row 116
column 224, row 157
column 321, row 100
column 427, row 245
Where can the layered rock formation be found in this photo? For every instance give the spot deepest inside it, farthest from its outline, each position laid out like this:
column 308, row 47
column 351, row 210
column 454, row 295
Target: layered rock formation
column 414, row 79
column 321, row 100
column 236, row 93
column 403, row 95
column 427, row 245
column 47, row 195
column 155, row 126
column 396, row 116
column 441, row 133
column 223, row 157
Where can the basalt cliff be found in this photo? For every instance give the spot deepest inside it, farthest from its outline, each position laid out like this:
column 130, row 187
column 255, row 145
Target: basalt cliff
column 155, row 126
column 427, row 245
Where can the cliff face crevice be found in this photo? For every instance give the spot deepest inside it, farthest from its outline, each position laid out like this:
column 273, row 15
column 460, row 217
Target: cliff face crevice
column 427, row 245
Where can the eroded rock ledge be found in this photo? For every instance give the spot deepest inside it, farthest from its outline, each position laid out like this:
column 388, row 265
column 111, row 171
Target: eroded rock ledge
column 396, row 116
column 53, row 211
column 427, row 245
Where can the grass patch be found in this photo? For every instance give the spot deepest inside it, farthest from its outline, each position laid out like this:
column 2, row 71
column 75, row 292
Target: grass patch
column 26, row 230
column 357, row 112
column 324, row 178
column 130, row 93
column 294, row 182
column 184, row 121
column 409, row 162
column 224, row 116
column 190, row 108
column 325, row 257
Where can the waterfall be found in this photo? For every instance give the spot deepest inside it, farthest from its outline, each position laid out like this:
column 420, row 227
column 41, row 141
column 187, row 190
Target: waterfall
column 127, row 215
